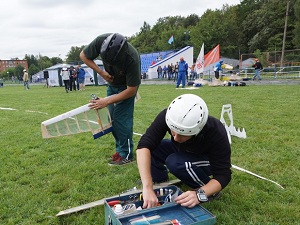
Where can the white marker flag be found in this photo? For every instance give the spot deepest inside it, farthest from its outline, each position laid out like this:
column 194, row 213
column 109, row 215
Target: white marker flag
column 200, row 61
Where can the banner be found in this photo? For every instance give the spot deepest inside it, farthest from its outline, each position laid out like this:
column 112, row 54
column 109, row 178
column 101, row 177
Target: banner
column 200, row 61
column 212, row 56
column 171, row 39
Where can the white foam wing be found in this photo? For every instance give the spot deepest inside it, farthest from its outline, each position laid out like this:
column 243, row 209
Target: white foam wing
column 79, row 120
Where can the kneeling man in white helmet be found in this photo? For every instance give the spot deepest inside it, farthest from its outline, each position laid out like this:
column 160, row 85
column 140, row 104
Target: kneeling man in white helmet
column 198, row 152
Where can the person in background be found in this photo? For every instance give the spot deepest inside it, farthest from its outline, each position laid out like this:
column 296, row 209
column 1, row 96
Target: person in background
column 258, row 67
column 170, row 71
column 193, row 72
column 176, row 71
column 218, row 68
column 81, row 77
column 122, row 66
column 72, row 76
column 77, row 80
column 159, row 72
column 26, row 79
column 65, row 77
column 165, row 70
column 173, row 70
column 198, row 152
column 182, row 71
column 20, row 77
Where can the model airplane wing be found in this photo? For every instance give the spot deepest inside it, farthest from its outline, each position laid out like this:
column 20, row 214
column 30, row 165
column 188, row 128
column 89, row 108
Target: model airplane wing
column 79, row 120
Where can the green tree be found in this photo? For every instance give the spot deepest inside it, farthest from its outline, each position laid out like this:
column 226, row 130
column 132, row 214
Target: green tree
column 267, row 22
column 56, row 60
column 73, row 55
column 210, row 30
column 31, row 60
column 232, row 44
column 33, row 69
column 191, row 20
column 296, row 32
column 244, row 16
column 8, row 73
column 19, row 71
column 156, row 38
column 43, row 62
column 250, row 25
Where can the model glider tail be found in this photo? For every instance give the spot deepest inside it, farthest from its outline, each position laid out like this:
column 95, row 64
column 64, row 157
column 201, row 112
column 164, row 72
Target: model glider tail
column 79, row 120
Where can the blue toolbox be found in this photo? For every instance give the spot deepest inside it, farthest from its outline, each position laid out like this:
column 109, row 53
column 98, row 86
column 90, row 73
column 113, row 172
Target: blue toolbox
column 126, row 210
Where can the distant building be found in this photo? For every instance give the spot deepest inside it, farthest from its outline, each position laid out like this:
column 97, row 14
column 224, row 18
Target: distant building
column 12, row 63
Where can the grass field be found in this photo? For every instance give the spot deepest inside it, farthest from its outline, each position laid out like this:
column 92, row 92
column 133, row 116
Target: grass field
column 40, row 177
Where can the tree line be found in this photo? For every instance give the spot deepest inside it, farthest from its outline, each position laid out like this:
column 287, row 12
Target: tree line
column 251, row 26
column 244, row 28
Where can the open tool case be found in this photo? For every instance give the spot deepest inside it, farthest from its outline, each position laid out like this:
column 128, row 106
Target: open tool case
column 162, row 214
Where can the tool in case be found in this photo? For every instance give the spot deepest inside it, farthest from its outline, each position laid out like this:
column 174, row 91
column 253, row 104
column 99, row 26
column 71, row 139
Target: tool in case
column 127, row 210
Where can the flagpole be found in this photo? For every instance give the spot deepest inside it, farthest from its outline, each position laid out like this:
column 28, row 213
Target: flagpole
column 173, row 43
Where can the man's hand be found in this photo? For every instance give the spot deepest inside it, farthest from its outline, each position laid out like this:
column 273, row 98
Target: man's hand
column 150, row 199
column 90, row 63
column 187, row 199
column 98, row 103
column 106, row 76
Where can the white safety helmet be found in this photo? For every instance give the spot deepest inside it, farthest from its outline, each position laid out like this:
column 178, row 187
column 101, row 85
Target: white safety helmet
column 187, row 114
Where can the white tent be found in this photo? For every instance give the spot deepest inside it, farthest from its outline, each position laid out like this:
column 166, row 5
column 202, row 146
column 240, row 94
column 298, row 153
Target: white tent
column 54, row 74
column 55, row 78
column 89, row 73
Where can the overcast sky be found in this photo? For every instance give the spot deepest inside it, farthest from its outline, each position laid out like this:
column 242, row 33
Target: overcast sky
column 52, row 27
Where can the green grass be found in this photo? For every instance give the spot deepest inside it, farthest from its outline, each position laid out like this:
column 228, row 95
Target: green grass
column 40, row 177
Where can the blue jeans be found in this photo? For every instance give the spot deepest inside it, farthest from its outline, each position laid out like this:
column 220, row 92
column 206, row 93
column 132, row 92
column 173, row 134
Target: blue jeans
column 191, row 169
column 122, row 122
column 257, row 74
column 26, row 84
column 193, row 75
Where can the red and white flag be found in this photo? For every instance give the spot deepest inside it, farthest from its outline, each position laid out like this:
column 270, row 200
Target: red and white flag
column 212, row 56
column 200, row 61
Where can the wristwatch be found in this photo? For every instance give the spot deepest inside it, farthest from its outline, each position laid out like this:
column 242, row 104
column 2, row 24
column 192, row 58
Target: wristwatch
column 201, row 195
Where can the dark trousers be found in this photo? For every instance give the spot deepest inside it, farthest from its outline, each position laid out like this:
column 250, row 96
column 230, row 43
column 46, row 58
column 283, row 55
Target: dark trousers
column 217, row 74
column 67, row 83
column 175, row 76
column 72, row 84
column 192, row 169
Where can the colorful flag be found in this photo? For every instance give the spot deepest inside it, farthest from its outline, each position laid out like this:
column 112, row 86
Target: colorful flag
column 200, row 61
column 212, row 56
column 171, row 39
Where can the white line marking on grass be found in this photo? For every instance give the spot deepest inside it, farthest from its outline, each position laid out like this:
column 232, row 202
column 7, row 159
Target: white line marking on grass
column 7, row 108
column 31, row 111
column 36, row 112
